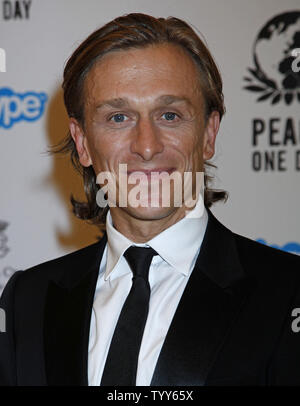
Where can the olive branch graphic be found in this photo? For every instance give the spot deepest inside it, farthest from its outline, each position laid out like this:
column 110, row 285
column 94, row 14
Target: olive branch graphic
column 259, row 83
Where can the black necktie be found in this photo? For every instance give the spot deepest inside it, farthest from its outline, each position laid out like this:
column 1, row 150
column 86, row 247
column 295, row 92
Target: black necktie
column 122, row 359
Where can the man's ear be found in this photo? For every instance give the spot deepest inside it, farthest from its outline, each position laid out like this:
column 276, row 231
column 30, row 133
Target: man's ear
column 80, row 142
column 210, row 134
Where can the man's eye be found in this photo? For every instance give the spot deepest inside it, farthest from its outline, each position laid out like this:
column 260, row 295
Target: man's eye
column 118, row 118
column 169, row 116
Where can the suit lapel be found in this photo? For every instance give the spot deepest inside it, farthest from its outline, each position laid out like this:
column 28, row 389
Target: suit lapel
column 67, row 318
column 207, row 310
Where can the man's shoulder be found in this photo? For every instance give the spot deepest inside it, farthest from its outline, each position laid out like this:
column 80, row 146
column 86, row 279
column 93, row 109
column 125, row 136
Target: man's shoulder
column 257, row 258
column 55, row 268
column 250, row 246
column 270, row 269
column 254, row 255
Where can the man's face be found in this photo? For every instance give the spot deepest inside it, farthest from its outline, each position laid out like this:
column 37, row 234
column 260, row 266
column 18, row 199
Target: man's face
column 144, row 108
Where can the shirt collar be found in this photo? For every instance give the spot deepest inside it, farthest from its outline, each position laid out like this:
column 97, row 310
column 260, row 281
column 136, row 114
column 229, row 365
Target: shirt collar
column 185, row 236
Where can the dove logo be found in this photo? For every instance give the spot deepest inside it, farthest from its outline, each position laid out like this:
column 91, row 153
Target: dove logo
column 16, row 107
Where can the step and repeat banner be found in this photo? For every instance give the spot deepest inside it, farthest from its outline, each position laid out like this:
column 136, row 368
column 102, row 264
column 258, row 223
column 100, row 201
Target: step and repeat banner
column 257, row 48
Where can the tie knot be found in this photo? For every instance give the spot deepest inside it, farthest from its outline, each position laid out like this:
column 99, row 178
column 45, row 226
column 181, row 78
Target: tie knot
column 139, row 260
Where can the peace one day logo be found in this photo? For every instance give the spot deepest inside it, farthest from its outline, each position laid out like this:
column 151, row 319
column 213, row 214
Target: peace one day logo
column 276, row 57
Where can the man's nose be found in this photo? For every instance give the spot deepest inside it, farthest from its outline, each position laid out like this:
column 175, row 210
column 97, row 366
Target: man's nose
column 147, row 140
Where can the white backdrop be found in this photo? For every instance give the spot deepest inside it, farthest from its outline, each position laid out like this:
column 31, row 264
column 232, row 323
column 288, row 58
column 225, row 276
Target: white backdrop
column 38, row 36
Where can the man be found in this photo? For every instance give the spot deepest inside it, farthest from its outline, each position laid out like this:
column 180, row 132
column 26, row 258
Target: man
column 168, row 296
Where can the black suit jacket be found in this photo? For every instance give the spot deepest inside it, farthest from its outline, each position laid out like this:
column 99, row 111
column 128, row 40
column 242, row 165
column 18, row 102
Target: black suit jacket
column 232, row 325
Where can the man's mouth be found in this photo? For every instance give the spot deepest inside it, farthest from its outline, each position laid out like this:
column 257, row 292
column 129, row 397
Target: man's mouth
column 151, row 172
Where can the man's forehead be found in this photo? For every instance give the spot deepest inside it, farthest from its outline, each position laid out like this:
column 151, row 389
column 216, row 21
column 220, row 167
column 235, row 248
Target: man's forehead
column 163, row 73
column 121, row 102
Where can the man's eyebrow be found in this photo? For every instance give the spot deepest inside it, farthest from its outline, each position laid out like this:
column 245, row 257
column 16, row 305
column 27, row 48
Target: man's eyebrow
column 123, row 102
column 169, row 99
column 117, row 103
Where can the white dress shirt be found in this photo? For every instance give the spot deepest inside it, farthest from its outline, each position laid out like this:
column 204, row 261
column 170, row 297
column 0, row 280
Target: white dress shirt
column 178, row 247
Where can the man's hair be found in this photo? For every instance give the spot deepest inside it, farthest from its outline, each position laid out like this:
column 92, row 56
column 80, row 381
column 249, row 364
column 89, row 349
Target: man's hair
column 134, row 30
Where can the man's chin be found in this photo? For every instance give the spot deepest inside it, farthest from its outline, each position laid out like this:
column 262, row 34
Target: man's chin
column 150, row 213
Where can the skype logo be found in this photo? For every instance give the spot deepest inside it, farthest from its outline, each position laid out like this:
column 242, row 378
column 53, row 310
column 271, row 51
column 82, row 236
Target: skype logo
column 291, row 247
column 16, row 107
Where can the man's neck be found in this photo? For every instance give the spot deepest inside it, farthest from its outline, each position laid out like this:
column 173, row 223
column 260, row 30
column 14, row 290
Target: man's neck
column 140, row 230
